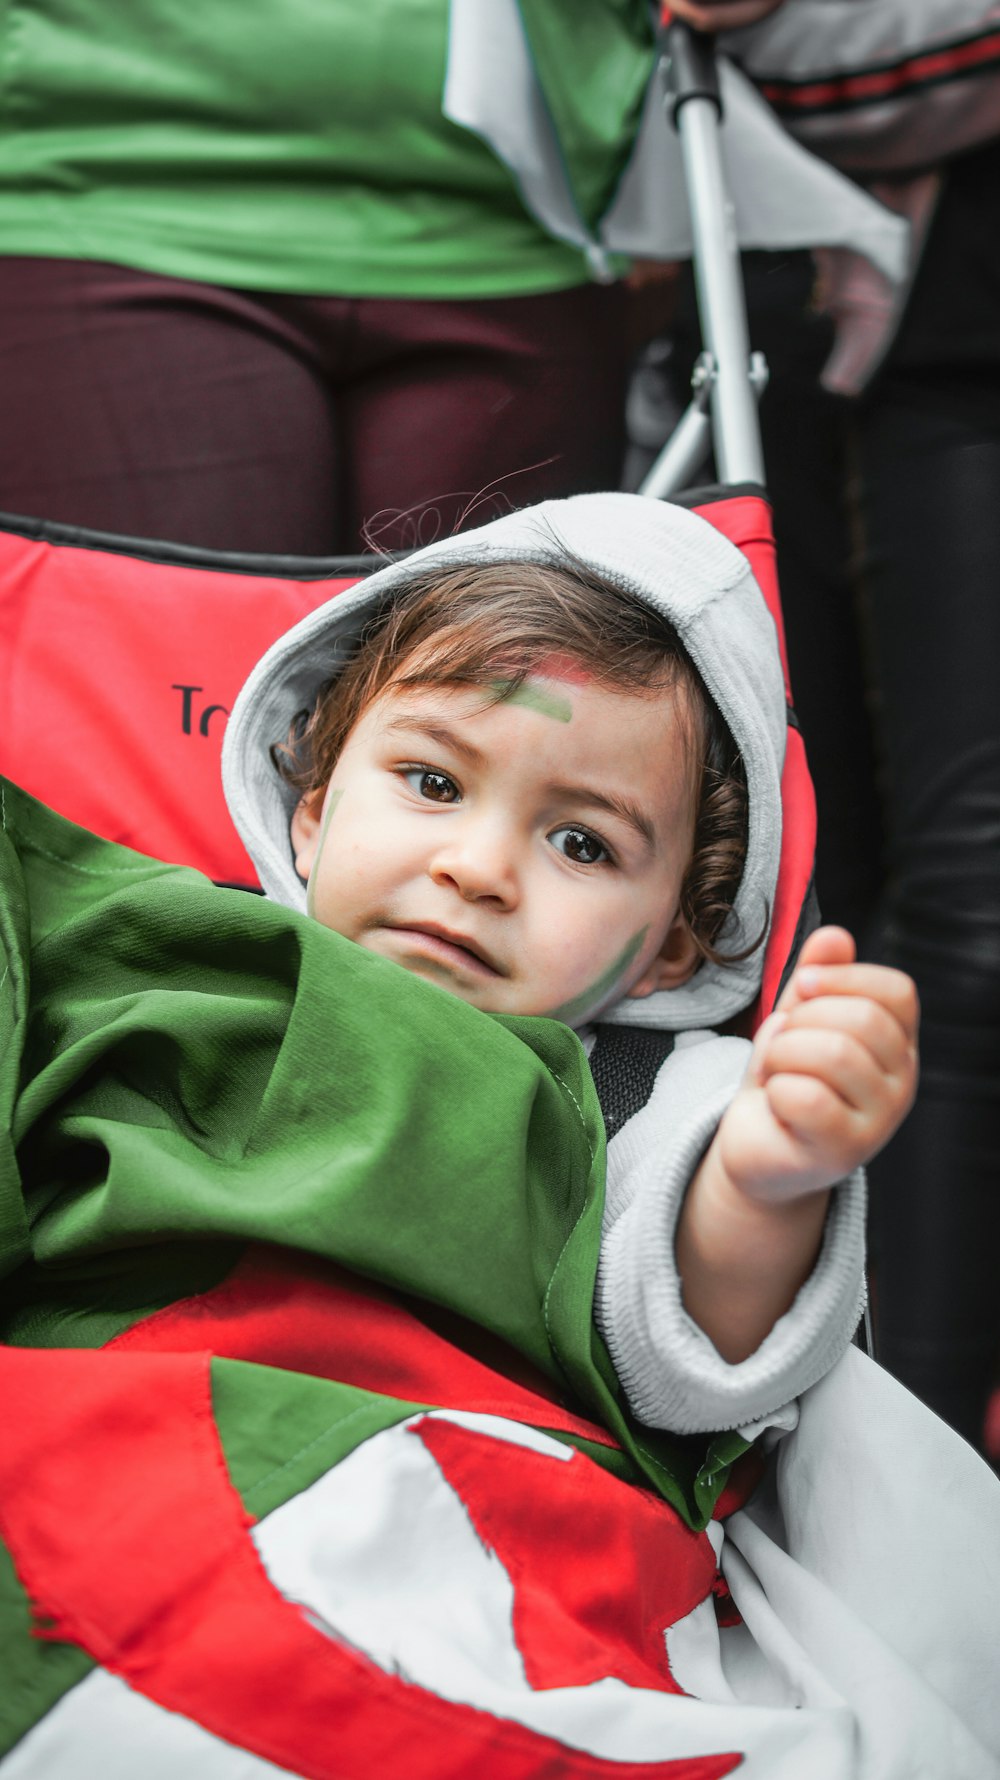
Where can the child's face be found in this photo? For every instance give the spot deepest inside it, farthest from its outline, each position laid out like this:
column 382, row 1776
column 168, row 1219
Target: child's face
column 527, row 856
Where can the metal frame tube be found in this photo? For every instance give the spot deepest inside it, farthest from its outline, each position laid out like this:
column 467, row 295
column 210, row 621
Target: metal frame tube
column 721, row 304
column 683, row 454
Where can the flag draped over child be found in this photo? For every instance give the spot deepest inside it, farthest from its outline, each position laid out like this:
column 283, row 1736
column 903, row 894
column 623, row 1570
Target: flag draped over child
column 312, row 1460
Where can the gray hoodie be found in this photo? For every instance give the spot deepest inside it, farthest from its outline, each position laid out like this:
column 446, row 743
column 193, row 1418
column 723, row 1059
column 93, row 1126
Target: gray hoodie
column 681, row 566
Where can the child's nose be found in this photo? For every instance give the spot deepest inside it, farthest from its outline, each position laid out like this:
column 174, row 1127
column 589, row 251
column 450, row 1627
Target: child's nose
column 479, row 863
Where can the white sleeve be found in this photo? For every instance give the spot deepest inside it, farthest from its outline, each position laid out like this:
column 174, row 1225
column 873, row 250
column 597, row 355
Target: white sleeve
column 879, row 86
column 672, row 1374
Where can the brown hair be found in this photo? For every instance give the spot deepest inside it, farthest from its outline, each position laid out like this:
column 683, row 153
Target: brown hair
column 490, row 624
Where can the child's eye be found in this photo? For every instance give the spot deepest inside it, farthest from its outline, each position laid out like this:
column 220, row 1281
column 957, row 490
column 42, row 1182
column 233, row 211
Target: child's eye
column 579, row 846
column 436, row 787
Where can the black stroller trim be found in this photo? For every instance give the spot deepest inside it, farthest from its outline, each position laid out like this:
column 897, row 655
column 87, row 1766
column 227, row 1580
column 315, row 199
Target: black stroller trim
column 232, row 562
column 716, row 491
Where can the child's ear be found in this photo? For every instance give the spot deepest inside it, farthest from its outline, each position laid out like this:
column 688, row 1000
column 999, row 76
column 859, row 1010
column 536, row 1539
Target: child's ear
column 676, row 961
column 305, row 832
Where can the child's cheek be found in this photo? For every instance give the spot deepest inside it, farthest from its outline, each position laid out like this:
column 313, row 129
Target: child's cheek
column 602, row 985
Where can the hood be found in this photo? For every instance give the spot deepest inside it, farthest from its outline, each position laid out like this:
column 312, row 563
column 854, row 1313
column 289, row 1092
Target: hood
column 667, row 557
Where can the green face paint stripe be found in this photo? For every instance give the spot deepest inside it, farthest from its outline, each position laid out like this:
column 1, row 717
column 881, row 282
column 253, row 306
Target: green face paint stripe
column 334, row 799
column 596, row 992
column 534, row 698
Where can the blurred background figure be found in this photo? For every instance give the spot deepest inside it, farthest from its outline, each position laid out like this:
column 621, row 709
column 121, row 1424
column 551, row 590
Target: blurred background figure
column 258, row 291
column 286, row 277
column 886, row 484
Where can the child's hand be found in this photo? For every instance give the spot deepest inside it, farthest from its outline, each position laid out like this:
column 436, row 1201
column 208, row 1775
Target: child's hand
column 832, row 1074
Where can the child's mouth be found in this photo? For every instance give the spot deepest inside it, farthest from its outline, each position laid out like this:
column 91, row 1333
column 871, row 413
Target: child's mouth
column 448, row 948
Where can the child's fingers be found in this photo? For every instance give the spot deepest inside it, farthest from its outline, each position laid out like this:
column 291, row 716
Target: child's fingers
column 838, row 1060
column 866, row 1021
column 890, row 989
column 817, row 1117
column 828, row 945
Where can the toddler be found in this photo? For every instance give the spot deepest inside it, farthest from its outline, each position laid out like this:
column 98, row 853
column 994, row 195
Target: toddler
column 539, row 766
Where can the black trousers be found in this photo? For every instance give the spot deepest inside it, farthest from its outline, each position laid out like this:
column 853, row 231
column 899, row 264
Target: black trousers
column 887, row 515
column 887, row 518
column 930, row 507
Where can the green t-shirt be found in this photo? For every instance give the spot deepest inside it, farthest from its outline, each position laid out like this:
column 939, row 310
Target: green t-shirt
column 298, row 146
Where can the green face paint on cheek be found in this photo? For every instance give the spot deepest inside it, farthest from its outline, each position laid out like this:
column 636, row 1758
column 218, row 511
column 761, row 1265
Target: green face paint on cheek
column 535, row 698
column 601, row 987
column 332, row 802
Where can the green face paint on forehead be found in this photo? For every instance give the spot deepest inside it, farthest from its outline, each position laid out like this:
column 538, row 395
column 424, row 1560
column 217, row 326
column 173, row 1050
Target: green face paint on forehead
column 600, row 988
column 332, row 802
column 534, row 698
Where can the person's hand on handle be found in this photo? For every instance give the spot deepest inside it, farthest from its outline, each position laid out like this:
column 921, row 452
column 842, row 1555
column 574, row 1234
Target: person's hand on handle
column 720, row 15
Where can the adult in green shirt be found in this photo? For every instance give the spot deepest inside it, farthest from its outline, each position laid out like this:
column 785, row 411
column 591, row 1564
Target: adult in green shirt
column 260, row 293
column 291, row 277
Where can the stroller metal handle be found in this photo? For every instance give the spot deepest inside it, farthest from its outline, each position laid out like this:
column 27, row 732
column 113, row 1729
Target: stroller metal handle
column 687, row 67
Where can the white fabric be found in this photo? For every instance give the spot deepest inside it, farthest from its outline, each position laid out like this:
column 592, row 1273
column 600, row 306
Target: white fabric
column 870, row 1613
column 878, row 1557
column 868, row 1580
column 905, row 130
column 867, row 1573
column 101, row 1730
column 781, row 196
column 407, row 1567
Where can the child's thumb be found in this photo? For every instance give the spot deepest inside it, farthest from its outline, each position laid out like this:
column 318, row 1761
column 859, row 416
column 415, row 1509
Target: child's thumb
column 828, row 945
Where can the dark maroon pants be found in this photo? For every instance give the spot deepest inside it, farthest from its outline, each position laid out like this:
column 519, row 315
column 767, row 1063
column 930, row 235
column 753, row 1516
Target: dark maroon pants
column 239, row 420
